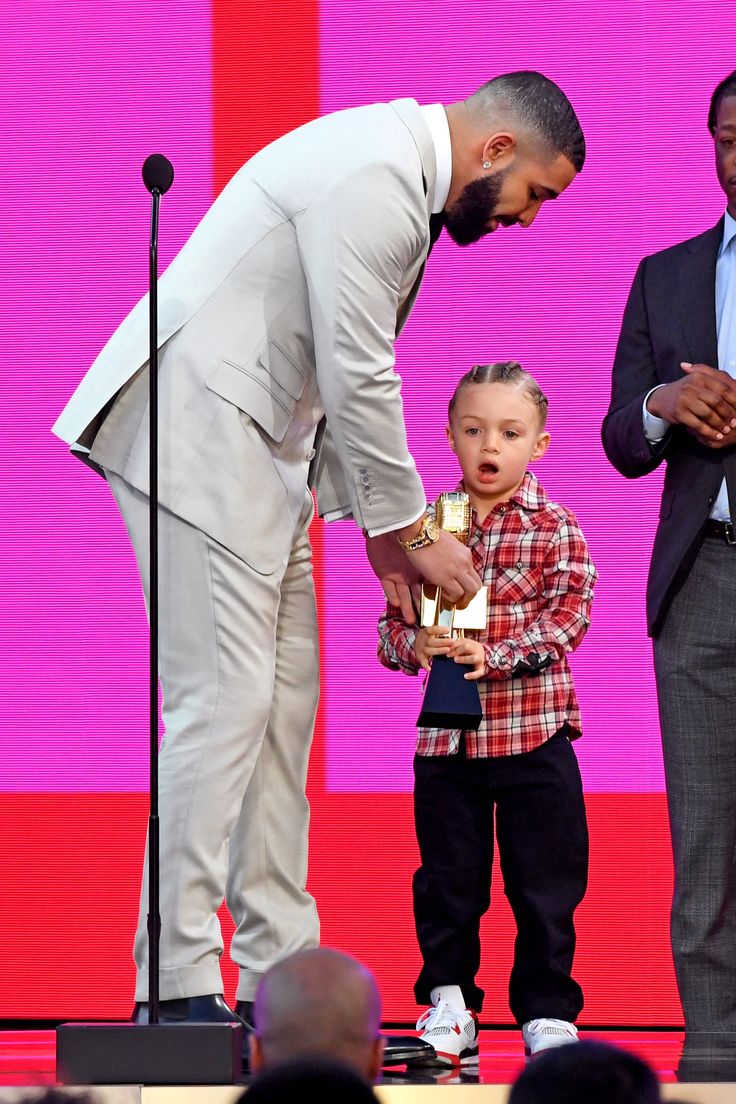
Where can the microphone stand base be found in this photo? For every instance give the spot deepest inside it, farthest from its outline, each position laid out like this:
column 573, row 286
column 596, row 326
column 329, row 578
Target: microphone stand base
column 149, row 1054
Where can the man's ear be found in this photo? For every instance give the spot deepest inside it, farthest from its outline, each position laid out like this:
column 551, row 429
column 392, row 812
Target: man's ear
column 256, row 1054
column 541, row 446
column 377, row 1058
column 499, row 147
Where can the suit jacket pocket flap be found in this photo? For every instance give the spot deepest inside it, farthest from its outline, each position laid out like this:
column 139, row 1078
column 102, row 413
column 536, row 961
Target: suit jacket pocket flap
column 266, row 389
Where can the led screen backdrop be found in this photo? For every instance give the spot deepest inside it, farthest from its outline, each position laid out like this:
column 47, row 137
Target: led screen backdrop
column 88, row 92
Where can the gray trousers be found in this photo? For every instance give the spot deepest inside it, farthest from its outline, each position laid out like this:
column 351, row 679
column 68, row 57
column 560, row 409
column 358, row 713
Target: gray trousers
column 695, row 666
column 238, row 663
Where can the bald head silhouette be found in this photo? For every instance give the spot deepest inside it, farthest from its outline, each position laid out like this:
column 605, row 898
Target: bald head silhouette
column 318, row 1002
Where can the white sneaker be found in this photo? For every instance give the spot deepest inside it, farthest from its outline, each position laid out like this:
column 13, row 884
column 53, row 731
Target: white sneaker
column 541, row 1035
column 453, row 1034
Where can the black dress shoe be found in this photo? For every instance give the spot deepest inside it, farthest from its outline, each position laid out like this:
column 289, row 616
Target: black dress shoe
column 210, row 1008
column 244, row 1009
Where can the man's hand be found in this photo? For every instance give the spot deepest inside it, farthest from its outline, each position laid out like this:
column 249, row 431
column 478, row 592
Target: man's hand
column 398, row 577
column 704, row 401
column 448, row 564
column 432, row 640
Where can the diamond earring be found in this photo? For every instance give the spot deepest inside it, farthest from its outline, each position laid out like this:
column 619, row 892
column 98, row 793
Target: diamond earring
column 487, row 164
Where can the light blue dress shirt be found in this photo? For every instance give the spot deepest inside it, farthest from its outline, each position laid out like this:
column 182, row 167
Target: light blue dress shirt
column 655, row 429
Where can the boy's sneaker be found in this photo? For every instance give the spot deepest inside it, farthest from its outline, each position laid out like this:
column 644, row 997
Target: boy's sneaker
column 542, row 1035
column 453, row 1034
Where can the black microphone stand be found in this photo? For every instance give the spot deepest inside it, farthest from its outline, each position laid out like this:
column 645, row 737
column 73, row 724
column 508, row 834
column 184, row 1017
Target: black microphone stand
column 158, row 176
column 151, row 1053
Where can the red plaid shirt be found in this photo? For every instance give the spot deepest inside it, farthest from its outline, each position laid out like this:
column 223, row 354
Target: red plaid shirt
column 533, row 557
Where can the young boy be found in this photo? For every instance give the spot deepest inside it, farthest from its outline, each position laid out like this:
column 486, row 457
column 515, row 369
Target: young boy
column 533, row 557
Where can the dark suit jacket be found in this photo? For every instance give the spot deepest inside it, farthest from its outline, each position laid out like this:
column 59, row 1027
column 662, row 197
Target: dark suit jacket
column 669, row 318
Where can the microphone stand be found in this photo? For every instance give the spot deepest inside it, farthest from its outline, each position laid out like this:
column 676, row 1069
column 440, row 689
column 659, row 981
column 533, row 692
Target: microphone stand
column 154, row 917
column 151, row 1053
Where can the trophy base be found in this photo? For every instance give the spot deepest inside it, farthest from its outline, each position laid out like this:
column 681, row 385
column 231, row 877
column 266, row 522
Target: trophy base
column 450, row 700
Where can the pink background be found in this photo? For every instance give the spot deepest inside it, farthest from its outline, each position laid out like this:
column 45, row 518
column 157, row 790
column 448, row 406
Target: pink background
column 81, row 118
column 640, row 76
column 88, row 91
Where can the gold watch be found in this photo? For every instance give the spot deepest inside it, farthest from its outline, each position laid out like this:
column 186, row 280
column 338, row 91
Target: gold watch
column 428, row 534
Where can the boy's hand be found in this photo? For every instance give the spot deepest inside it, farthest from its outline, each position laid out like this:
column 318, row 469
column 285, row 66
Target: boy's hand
column 432, row 640
column 471, row 652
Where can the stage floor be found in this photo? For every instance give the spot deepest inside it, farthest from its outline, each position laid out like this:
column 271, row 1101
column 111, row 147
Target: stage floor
column 28, row 1060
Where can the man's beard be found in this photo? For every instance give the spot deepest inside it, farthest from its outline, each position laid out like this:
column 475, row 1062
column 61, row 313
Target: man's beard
column 467, row 220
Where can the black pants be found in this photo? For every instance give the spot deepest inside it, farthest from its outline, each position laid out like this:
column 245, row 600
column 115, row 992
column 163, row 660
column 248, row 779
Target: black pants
column 542, row 837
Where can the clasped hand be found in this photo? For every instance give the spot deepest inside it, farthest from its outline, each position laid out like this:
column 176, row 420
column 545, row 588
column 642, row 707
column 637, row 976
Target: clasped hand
column 447, row 563
column 433, row 640
column 704, row 401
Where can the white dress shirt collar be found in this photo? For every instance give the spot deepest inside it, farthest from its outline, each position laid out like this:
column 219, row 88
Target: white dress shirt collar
column 436, row 119
column 729, row 231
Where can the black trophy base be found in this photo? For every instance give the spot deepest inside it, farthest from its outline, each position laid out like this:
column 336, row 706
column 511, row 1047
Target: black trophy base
column 450, row 700
column 149, row 1054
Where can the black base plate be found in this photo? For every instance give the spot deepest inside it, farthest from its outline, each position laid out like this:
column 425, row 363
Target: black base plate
column 149, row 1054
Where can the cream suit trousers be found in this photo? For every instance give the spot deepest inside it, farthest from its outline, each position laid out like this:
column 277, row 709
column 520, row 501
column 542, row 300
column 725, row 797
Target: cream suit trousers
column 239, row 669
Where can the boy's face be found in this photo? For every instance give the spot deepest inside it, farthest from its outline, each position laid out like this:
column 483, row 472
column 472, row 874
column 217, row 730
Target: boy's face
column 494, row 432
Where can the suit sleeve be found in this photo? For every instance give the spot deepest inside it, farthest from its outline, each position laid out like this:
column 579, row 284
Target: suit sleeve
column 634, row 375
column 356, row 241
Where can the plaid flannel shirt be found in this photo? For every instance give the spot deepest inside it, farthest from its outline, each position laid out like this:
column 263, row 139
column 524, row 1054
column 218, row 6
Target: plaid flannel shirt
column 534, row 559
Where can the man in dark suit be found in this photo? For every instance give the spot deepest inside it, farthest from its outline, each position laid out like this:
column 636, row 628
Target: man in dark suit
column 674, row 399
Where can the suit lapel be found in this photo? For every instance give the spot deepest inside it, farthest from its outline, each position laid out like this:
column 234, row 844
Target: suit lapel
column 696, row 296
column 697, row 280
column 411, row 115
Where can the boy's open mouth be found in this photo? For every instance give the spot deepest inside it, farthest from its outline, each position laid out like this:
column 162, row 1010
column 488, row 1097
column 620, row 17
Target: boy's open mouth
column 489, row 468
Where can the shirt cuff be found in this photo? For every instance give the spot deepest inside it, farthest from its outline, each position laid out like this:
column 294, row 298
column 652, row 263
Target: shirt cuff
column 338, row 515
column 655, row 429
column 396, row 525
column 499, row 660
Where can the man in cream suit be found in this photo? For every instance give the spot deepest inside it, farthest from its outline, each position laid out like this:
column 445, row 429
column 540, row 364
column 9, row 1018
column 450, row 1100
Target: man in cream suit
column 276, row 375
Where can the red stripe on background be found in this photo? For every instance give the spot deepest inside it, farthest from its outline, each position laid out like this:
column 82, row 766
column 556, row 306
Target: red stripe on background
column 265, row 82
column 265, row 77
column 70, row 872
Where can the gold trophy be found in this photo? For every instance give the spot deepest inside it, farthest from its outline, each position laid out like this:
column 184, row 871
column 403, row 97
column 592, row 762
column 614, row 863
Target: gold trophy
column 450, row 700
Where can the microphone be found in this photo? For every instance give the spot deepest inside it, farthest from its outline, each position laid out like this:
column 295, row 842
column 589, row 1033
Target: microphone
column 158, row 173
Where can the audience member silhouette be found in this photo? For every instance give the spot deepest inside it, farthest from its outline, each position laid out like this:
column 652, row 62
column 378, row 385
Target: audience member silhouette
column 589, row 1071
column 318, row 1002
column 314, row 1078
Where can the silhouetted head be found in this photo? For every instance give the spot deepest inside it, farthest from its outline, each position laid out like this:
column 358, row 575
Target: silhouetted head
column 310, row 1078
column 588, row 1072
column 319, row 1001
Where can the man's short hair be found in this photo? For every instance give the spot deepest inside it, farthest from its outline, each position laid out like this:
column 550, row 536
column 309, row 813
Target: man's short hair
column 541, row 107
column 727, row 87
column 578, row 1073
column 312, row 1077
